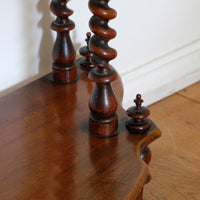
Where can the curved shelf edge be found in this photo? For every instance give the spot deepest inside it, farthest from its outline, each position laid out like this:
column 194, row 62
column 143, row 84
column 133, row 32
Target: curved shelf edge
column 44, row 127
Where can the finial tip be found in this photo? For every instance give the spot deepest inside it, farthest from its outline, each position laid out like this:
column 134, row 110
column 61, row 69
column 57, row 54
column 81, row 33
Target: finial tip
column 138, row 101
column 138, row 96
column 88, row 34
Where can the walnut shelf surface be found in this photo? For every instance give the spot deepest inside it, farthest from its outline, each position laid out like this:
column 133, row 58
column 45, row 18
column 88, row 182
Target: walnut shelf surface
column 47, row 153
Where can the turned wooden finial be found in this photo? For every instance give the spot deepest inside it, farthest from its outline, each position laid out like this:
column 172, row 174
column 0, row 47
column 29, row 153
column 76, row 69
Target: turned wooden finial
column 103, row 120
column 138, row 122
column 88, row 35
column 138, row 101
column 84, row 62
column 64, row 69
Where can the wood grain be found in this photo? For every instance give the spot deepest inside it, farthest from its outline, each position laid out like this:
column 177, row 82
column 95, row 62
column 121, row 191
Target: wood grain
column 46, row 152
column 175, row 165
column 192, row 93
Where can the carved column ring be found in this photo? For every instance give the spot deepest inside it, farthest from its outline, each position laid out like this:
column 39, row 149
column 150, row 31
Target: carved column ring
column 95, row 76
column 132, row 112
column 146, row 123
column 62, row 27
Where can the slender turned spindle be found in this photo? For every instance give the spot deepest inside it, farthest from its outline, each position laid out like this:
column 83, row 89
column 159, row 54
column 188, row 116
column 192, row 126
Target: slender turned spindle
column 64, row 69
column 103, row 120
column 85, row 62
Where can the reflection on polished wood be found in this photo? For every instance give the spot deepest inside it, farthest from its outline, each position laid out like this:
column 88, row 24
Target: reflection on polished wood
column 47, row 153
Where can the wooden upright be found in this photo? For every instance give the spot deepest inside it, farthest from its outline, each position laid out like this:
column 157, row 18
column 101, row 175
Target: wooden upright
column 103, row 120
column 85, row 63
column 64, row 69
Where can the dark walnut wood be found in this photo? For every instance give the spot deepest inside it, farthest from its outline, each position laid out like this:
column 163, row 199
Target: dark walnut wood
column 138, row 121
column 85, row 63
column 103, row 120
column 64, row 69
column 47, row 153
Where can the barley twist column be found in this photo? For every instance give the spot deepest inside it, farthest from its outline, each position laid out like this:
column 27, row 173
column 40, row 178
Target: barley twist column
column 103, row 120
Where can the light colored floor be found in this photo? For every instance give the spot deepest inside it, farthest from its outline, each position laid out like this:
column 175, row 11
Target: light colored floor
column 175, row 164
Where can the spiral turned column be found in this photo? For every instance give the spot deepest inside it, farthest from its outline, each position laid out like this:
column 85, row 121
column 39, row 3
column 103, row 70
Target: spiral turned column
column 64, row 69
column 103, row 120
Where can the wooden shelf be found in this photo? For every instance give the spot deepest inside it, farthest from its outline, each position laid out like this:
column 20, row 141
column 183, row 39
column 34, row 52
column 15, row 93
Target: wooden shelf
column 46, row 151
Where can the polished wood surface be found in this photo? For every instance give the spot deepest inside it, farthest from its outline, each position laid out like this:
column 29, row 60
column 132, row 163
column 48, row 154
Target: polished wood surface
column 175, row 166
column 47, row 153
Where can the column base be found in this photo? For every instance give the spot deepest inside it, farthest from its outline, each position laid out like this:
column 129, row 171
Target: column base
column 64, row 75
column 103, row 127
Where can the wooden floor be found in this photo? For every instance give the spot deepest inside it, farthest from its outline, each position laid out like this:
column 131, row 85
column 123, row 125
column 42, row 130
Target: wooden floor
column 175, row 164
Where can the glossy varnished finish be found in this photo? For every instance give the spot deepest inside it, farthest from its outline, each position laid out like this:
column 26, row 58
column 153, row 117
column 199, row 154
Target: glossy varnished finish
column 47, row 153
column 103, row 120
column 64, row 69
column 138, row 122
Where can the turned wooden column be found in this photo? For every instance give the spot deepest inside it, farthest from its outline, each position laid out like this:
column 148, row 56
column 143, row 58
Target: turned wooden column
column 103, row 120
column 64, row 69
